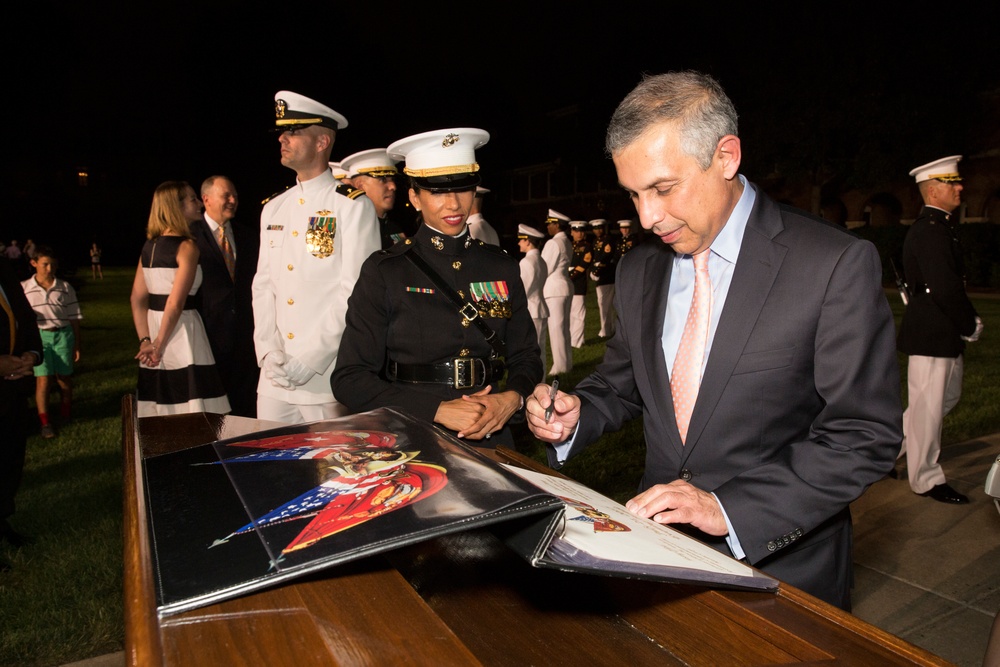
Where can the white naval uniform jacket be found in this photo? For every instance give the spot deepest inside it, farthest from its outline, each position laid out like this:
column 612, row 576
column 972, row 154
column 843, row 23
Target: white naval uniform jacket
column 299, row 300
column 533, row 274
column 558, row 255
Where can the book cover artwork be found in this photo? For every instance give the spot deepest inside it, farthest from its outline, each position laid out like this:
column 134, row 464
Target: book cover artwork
column 236, row 515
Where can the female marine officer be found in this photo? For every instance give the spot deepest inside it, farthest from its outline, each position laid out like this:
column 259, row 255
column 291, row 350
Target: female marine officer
column 435, row 321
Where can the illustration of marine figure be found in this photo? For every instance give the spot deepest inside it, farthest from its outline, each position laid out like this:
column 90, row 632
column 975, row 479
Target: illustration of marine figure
column 368, row 479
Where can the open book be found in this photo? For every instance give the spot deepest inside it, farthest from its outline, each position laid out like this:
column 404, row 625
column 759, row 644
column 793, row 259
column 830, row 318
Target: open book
column 599, row 536
column 237, row 515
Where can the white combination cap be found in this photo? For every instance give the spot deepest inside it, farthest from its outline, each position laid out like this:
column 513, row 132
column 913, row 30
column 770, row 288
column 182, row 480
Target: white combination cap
column 945, row 169
column 579, row 225
column 556, row 216
column 524, row 231
column 338, row 171
column 373, row 162
column 599, row 222
column 625, row 223
column 442, row 160
column 293, row 110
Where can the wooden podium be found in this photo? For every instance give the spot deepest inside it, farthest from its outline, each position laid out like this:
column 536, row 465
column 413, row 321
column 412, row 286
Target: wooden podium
column 467, row 600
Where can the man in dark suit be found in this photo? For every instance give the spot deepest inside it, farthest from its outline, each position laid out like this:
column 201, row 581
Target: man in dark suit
column 20, row 352
column 757, row 442
column 938, row 321
column 226, row 307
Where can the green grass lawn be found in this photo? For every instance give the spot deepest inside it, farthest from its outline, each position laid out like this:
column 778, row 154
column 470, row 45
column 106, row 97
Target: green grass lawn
column 63, row 600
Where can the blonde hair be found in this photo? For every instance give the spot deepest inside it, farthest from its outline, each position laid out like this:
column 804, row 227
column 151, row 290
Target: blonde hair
column 166, row 214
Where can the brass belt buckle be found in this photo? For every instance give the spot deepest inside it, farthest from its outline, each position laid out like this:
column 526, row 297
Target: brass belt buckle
column 465, row 373
column 467, row 309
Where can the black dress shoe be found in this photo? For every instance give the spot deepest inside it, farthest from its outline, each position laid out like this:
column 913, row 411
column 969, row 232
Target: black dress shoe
column 945, row 494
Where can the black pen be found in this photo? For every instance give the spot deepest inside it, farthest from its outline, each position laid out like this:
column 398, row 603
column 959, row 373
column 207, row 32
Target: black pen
column 552, row 401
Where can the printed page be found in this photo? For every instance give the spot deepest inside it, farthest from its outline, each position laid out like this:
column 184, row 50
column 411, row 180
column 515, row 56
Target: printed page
column 607, row 531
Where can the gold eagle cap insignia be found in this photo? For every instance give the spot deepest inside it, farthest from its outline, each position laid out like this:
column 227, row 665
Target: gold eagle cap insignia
column 450, row 140
column 280, row 107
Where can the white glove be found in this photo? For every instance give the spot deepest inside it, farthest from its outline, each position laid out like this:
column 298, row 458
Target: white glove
column 297, row 372
column 274, row 371
column 975, row 334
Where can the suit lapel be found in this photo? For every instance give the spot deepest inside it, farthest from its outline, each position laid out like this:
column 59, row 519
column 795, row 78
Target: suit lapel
column 757, row 266
column 656, row 286
column 212, row 243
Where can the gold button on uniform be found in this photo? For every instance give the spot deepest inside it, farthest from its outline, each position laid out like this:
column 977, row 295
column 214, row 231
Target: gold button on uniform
column 291, row 302
column 456, row 265
column 301, row 201
column 295, row 233
column 290, row 267
column 290, row 335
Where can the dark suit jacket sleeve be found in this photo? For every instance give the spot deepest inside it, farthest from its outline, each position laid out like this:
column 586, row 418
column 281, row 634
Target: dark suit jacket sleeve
column 853, row 439
column 610, row 395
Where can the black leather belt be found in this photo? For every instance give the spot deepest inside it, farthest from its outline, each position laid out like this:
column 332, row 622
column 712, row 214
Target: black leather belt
column 460, row 373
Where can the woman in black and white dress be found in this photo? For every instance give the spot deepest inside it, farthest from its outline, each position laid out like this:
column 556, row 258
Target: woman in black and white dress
column 177, row 371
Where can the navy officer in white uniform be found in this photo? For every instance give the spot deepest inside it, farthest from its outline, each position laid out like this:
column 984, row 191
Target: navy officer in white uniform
column 314, row 238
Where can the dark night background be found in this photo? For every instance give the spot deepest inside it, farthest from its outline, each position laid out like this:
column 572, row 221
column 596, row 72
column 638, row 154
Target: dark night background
column 139, row 95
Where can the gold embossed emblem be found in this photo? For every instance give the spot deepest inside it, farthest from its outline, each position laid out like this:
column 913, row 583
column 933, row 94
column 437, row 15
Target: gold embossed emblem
column 450, row 140
column 456, row 265
column 321, row 233
column 437, row 242
column 280, row 107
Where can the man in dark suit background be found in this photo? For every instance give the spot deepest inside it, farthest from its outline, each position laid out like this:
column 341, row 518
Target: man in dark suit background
column 794, row 408
column 226, row 305
column 20, row 352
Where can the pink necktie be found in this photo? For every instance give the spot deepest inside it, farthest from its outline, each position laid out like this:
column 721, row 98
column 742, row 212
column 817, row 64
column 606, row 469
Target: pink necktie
column 686, row 376
column 227, row 251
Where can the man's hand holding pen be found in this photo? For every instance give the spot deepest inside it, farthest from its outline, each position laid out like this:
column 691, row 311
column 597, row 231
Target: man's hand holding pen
column 552, row 420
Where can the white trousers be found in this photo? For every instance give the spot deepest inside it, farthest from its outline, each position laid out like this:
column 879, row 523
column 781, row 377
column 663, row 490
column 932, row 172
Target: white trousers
column 577, row 320
column 541, row 326
column 934, row 385
column 562, row 355
column 271, row 409
column 606, row 305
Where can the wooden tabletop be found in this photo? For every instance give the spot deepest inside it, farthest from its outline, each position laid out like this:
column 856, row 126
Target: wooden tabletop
column 466, row 599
